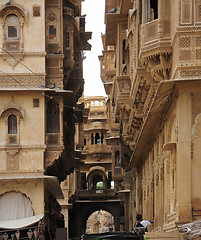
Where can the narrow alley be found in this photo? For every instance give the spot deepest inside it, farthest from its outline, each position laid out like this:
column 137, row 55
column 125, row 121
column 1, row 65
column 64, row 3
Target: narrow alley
column 100, row 119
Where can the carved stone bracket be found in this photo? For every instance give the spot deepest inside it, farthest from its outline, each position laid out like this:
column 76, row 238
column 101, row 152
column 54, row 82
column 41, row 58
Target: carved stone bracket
column 159, row 65
column 124, row 84
column 142, row 92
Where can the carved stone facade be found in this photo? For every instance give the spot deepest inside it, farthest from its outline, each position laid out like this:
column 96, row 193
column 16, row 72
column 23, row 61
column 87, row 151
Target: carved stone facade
column 157, row 50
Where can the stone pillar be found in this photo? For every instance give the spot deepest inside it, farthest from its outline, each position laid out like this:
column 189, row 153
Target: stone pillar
column 183, row 164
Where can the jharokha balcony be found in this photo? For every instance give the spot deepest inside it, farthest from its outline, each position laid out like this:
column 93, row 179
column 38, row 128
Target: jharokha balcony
column 155, row 48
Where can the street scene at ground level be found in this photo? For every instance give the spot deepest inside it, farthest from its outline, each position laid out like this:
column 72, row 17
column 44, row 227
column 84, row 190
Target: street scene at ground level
column 125, row 164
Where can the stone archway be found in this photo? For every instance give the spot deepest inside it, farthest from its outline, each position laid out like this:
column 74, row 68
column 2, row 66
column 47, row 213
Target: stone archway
column 82, row 209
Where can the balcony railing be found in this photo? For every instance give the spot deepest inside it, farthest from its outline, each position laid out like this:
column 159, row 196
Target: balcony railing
column 150, row 31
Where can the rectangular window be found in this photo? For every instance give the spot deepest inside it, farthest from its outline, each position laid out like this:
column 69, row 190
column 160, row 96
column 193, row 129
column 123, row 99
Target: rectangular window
column 52, row 32
column 12, row 31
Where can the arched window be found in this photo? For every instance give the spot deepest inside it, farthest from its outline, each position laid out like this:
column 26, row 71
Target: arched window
column 12, row 124
column 53, row 119
column 97, row 138
column 12, row 27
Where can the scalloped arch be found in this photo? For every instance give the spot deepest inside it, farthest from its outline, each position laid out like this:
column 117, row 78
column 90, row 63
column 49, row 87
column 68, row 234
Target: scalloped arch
column 14, row 8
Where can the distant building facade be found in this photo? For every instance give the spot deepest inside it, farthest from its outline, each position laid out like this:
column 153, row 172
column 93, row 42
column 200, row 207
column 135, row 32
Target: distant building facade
column 150, row 70
column 91, row 183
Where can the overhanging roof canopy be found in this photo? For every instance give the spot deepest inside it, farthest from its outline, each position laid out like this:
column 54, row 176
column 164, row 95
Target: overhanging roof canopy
column 20, row 223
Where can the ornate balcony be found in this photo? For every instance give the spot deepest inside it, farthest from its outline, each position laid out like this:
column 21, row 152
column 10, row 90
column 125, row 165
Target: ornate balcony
column 156, row 50
column 108, row 67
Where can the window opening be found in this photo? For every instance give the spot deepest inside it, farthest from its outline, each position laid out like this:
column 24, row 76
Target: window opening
column 97, row 138
column 92, row 139
column 140, row 11
column 154, row 9
column 12, row 124
column 36, row 11
column 35, row 102
column 68, row 39
column 85, row 141
column 117, row 159
column 102, row 138
column 123, row 51
column 109, row 181
column 53, row 119
column 52, row 32
column 67, row 36
column 83, row 181
column 95, row 181
column 12, row 31
column 12, row 27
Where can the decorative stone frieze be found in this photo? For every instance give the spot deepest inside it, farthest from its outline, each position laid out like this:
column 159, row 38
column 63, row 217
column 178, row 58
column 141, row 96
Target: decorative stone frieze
column 22, row 81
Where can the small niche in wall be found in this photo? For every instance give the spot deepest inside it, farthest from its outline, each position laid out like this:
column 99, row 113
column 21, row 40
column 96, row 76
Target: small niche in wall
column 35, row 102
column 36, row 11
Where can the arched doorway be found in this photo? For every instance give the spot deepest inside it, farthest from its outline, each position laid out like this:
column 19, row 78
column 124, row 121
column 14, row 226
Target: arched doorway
column 83, row 209
column 100, row 221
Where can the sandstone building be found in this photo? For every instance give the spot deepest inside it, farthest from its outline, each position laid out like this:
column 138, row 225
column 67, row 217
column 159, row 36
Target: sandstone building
column 41, row 80
column 91, row 183
column 150, row 68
